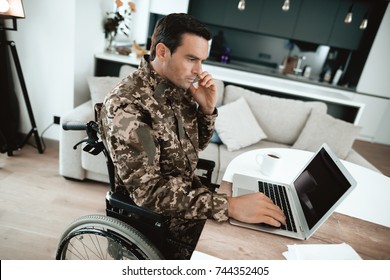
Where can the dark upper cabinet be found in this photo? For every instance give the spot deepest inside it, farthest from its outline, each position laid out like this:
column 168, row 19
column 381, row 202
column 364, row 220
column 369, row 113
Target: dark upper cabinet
column 247, row 19
column 315, row 20
column 208, row 11
column 276, row 22
column 348, row 36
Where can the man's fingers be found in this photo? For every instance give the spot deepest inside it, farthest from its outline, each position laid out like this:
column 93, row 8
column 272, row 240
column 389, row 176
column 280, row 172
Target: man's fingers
column 205, row 80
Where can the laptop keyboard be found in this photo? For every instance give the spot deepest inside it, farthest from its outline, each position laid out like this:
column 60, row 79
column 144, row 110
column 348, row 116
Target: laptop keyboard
column 278, row 195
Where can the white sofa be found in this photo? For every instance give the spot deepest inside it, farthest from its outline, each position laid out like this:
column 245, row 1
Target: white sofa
column 256, row 121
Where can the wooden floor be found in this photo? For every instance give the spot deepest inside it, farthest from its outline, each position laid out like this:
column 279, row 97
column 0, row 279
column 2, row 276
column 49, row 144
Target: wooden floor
column 377, row 154
column 36, row 204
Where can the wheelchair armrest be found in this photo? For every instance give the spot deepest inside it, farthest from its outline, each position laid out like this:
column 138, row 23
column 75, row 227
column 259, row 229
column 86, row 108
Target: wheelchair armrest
column 206, row 168
column 122, row 201
column 205, row 164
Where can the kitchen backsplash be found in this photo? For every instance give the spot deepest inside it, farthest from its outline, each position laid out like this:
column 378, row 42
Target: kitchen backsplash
column 271, row 51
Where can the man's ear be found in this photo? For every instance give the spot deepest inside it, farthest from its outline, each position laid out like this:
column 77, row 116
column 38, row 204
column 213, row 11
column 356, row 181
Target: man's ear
column 162, row 51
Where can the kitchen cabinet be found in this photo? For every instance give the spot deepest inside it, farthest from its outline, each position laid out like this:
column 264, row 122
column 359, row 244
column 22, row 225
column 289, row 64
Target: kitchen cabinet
column 315, row 21
column 225, row 13
column 211, row 12
column 247, row 19
column 344, row 35
column 261, row 16
column 276, row 22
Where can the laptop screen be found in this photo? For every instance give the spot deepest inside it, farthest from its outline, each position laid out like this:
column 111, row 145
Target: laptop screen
column 319, row 187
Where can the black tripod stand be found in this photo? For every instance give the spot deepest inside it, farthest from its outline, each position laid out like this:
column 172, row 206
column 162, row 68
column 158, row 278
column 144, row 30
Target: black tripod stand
column 34, row 130
column 7, row 78
column 12, row 10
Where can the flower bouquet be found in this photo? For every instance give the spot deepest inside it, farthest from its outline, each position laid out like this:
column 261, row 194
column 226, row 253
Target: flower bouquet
column 118, row 21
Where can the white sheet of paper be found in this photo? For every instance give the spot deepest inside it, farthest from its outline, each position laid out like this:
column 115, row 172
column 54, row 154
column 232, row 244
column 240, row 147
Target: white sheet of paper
column 341, row 251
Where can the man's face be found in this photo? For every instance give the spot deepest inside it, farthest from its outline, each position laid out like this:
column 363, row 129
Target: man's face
column 183, row 66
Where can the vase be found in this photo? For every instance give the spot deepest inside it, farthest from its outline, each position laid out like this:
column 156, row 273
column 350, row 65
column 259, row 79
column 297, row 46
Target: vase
column 110, row 48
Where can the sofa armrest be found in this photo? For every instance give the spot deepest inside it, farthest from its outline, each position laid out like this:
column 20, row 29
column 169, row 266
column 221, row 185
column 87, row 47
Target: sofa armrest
column 70, row 159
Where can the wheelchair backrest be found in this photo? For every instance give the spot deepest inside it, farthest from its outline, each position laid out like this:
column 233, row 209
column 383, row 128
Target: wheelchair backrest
column 110, row 164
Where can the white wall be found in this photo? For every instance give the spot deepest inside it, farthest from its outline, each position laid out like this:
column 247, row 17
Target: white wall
column 45, row 43
column 165, row 7
column 56, row 42
column 89, row 39
column 383, row 135
column 375, row 79
column 141, row 21
column 375, row 76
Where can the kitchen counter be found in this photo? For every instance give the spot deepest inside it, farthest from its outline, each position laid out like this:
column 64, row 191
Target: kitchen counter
column 273, row 72
column 339, row 100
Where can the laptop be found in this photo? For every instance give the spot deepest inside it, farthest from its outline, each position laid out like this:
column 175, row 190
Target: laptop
column 308, row 200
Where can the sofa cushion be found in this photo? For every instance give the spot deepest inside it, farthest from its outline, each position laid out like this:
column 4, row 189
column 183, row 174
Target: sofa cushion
column 281, row 119
column 323, row 128
column 99, row 87
column 236, row 125
column 126, row 70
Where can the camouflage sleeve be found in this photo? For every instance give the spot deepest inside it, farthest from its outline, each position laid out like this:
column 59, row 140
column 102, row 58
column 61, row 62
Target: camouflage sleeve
column 206, row 128
column 135, row 151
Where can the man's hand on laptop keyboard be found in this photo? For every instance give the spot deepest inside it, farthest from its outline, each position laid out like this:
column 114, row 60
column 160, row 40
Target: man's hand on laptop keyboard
column 255, row 208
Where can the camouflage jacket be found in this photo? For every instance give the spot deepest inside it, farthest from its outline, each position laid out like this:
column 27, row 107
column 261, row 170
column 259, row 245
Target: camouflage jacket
column 153, row 132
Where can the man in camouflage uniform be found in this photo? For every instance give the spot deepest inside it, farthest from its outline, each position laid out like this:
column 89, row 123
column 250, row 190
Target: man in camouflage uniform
column 156, row 121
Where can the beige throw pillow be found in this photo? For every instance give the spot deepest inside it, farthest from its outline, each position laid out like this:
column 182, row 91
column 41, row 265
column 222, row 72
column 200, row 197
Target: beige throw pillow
column 99, row 87
column 281, row 119
column 236, row 125
column 126, row 70
column 323, row 128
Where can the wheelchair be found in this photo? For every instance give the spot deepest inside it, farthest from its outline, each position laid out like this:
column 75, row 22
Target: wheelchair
column 127, row 232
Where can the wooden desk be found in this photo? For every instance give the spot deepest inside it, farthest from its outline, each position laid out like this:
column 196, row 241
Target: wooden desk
column 362, row 220
column 222, row 240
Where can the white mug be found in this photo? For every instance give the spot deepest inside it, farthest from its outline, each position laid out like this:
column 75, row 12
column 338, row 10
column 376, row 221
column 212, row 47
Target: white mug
column 268, row 162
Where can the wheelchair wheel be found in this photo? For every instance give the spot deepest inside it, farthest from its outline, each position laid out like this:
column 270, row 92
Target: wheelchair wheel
column 98, row 237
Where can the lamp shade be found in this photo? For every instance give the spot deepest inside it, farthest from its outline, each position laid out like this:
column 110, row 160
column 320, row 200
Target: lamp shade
column 11, row 9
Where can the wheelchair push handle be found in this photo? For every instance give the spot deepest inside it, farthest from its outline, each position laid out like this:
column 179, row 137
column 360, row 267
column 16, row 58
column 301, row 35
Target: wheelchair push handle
column 74, row 126
column 92, row 130
column 89, row 127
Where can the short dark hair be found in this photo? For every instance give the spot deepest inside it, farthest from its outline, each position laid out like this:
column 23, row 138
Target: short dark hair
column 170, row 29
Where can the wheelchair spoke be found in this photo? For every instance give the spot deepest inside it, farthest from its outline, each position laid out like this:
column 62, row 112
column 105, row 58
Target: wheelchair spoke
column 78, row 245
column 99, row 251
column 104, row 238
